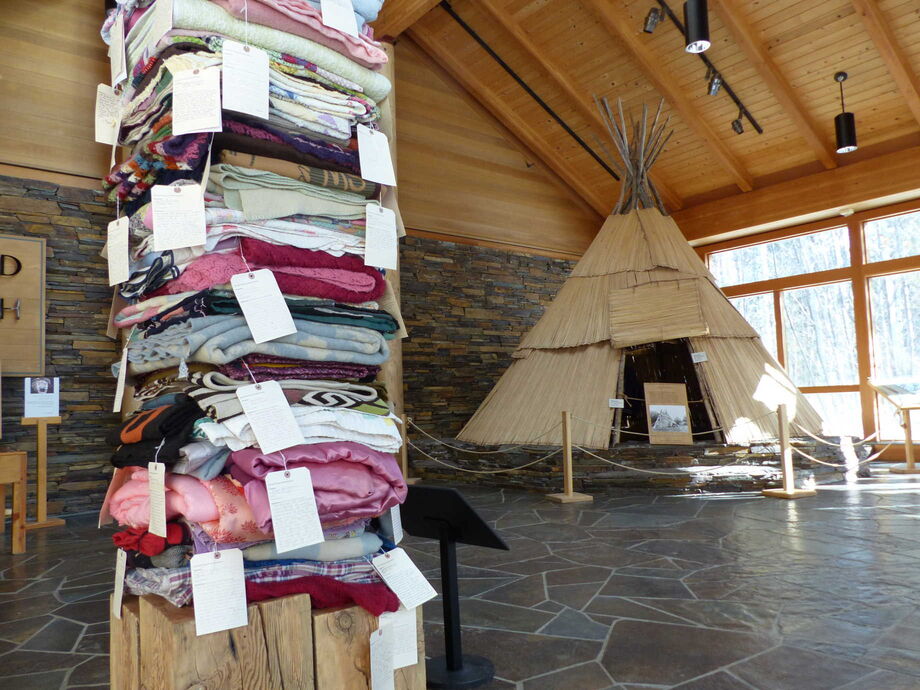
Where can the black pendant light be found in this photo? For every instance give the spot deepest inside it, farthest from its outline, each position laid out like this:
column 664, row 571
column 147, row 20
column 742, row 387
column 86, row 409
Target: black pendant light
column 696, row 21
column 844, row 123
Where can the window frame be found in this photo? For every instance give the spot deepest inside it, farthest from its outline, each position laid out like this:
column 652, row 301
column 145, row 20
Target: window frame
column 857, row 274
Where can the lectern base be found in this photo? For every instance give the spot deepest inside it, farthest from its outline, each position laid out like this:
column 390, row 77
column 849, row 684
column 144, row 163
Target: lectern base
column 475, row 671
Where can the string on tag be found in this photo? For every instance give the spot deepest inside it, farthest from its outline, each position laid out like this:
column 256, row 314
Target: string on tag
column 287, row 472
column 117, row 207
column 243, row 257
column 156, row 456
column 246, row 23
column 251, row 375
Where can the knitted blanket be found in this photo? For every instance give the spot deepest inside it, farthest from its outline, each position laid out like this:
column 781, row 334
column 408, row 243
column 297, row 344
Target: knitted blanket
column 305, row 173
column 268, row 368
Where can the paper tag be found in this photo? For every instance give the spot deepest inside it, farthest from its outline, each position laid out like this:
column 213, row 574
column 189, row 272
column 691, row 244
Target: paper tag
column 121, row 562
column 108, row 115
column 264, row 308
column 219, row 591
column 698, row 357
column 400, row 627
column 381, row 247
column 245, row 79
column 374, row 155
column 196, row 101
column 161, row 21
column 120, row 385
column 295, row 519
column 616, row 403
column 402, row 576
column 270, row 416
column 396, row 521
column 117, row 250
column 178, row 216
column 156, row 485
column 382, row 660
column 207, row 170
column 117, row 51
column 340, row 14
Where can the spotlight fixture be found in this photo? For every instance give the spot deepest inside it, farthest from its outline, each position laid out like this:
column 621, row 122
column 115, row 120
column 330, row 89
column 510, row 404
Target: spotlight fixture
column 715, row 83
column 652, row 19
column 844, row 123
column 738, row 125
column 696, row 23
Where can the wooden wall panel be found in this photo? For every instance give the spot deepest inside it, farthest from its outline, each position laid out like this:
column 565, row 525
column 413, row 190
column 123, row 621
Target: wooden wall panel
column 51, row 58
column 458, row 175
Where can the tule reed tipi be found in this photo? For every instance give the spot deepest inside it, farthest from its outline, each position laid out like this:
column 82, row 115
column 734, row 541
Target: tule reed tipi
column 634, row 308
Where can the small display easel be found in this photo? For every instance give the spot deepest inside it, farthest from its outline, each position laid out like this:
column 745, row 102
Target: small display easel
column 41, row 473
column 905, row 402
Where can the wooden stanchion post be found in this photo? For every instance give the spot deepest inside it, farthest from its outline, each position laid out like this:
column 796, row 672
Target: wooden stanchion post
column 785, row 448
column 41, row 472
column 909, row 467
column 404, row 453
column 568, row 494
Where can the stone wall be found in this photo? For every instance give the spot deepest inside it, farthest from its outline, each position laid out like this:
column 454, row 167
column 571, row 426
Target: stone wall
column 78, row 298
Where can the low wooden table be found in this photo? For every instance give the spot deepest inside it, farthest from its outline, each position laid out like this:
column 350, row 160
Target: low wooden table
column 905, row 401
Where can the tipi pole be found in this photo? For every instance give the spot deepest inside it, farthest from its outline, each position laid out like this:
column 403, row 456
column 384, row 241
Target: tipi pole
column 785, row 449
column 568, row 495
column 404, row 451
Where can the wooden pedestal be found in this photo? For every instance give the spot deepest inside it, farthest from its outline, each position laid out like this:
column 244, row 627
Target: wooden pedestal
column 573, row 497
column 794, row 493
column 285, row 645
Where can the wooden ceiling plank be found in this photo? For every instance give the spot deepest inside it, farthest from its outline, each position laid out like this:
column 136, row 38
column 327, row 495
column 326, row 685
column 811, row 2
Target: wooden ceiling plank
column 619, row 26
column 748, row 41
column 398, row 15
column 892, row 54
column 517, row 131
column 566, row 84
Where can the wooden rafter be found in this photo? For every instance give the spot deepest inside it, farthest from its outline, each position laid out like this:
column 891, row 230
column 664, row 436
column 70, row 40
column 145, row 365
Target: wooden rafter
column 398, row 15
column 747, row 39
column 884, row 40
column 619, row 26
column 577, row 95
column 486, row 95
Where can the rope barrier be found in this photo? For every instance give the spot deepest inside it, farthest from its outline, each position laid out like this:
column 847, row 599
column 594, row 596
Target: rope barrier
column 479, row 452
column 635, row 469
column 464, row 469
column 831, row 443
column 831, row 464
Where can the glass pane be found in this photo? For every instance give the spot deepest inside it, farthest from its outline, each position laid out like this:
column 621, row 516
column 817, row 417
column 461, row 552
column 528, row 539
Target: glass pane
column 819, row 335
column 820, row 251
column 841, row 412
column 758, row 311
column 895, row 304
column 892, row 238
column 889, row 422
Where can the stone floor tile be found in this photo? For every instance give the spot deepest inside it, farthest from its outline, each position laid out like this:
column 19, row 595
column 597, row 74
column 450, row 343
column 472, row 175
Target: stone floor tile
column 571, row 623
column 94, row 670
column 623, row 608
column 589, row 676
column 574, row 596
column 58, row 636
column 785, row 667
column 577, row 576
column 50, row 680
column 715, row 681
column 645, row 587
column 525, row 591
column 21, row 630
column 488, row 614
column 884, row 680
column 21, row 662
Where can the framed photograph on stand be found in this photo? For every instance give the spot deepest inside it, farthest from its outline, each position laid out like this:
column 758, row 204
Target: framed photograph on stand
column 668, row 414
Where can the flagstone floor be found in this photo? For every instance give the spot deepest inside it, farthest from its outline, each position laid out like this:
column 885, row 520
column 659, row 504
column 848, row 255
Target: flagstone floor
column 636, row 590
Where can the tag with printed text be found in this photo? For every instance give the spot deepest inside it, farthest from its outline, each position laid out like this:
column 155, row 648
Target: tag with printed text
column 219, row 591
column 269, row 414
column 295, row 519
column 405, row 579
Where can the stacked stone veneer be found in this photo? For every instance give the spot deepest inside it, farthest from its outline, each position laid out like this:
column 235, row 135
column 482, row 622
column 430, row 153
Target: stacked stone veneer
column 77, row 301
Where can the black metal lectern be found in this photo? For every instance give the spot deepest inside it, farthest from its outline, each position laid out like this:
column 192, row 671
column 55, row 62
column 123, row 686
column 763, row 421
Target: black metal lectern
column 440, row 513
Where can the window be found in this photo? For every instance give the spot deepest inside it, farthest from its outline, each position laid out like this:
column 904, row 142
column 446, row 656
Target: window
column 836, row 305
column 819, row 251
column 893, row 237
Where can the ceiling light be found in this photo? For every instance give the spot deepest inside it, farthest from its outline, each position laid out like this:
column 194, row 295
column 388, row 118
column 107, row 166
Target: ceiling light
column 844, row 123
column 715, row 83
column 652, row 19
column 696, row 24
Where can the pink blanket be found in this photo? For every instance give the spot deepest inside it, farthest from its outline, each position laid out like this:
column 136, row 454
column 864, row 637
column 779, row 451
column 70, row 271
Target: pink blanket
column 299, row 18
column 350, row 480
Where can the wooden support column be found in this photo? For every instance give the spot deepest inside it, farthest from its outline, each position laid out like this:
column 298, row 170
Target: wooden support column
column 785, row 448
column 568, row 494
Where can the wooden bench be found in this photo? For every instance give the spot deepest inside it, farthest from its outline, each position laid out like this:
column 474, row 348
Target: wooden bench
column 13, row 471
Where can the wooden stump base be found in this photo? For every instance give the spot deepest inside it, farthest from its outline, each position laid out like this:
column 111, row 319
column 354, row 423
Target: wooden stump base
column 795, row 493
column 573, row 497
column 904, row 469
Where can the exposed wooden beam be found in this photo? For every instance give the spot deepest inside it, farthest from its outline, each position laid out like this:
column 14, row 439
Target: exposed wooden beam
column 898, row 65
column 747, row 39
column 517, row 123
column 868, row 183
column 565, row 83
column 398, row 15
column 620, row 27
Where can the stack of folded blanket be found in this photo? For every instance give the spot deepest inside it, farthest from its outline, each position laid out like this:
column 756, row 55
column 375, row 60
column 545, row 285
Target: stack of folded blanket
column 284, row 194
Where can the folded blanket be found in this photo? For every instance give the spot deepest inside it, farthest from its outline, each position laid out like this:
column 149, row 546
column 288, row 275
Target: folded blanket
column 349, row 480
column 222, row 339
column 305, row 173
column 155, row 434
column 205, row 16
column 175, row 584
column 261, row 195
column 268, row 368
column 299, row 18
column 326, row 593
column 317, row 425
column 201, row 459
column 331, row 550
